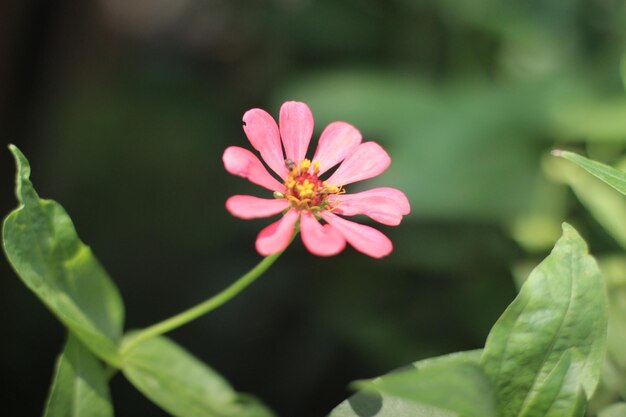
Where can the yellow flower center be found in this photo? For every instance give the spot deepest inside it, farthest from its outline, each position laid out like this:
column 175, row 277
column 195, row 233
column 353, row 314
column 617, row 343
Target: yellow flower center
column 304, row 189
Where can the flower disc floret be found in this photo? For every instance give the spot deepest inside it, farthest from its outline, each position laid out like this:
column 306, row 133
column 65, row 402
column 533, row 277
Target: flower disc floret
column 305, row 190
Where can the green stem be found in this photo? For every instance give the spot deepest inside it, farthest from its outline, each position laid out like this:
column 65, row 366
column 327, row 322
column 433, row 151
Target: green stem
column 202, row 308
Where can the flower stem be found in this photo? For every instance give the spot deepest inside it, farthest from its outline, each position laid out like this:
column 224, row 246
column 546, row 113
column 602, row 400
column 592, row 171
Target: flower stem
column 202, row 308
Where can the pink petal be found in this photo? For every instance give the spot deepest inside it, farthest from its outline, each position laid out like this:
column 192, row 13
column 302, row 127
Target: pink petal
column 320, row 240
column 249, row 207
column 262, row 132
column 385, row 205
column 363, row 238
column 296, row 128
column 275, row 237
column 367, row 161
column 338, row 140
column 242, row 162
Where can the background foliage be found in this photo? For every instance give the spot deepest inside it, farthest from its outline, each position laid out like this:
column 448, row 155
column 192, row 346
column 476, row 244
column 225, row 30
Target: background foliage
column 125, row 110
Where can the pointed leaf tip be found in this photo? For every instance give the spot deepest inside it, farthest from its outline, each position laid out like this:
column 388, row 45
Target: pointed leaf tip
column 568, row 230
column 21, row 163
column 606, row 173
column 22, row 175
column 570, row 234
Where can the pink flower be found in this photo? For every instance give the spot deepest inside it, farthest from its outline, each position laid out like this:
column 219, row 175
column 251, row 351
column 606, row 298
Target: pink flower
column 302, row 194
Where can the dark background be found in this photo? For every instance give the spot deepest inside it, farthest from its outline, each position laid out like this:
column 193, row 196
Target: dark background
column 124, row 109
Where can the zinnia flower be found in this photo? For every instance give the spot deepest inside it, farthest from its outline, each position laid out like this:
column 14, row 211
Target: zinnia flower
column 302, row 192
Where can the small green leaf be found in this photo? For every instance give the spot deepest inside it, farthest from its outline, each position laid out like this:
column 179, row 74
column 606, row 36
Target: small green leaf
column 41, row 244
column 614, row 410
column 561, row 307
column 372, row 404
column 79, row 388
column 600, row 199
column 461, row 387
column 182, row 385
column 614, row 177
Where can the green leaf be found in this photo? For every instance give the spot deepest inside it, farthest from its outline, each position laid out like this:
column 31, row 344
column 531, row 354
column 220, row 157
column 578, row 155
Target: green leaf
column 41, row 244
column 560, row 395
column 79, row 388
column 182, row 385
column 372, row 404
column 613, row 177
column 614, row 410
column 457, row 386
column 561, row 307
column 606, row 206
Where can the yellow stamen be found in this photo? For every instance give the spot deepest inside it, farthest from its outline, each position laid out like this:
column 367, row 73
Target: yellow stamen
column 304, row 166
column 304, row 190
column 304, row 202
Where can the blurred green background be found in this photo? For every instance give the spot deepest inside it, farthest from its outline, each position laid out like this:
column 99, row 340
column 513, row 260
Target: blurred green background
column 124, row 109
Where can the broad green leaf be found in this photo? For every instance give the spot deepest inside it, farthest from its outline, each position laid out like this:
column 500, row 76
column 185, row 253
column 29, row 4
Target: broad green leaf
column 79, row 388
column 613, row 177
column 182, row 385
column 561, row 394
column 562, row 306
column 368, row 404
column 607, row 206
column 615, row 410
column 461, row 387
column 41, row 244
